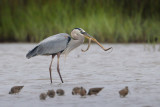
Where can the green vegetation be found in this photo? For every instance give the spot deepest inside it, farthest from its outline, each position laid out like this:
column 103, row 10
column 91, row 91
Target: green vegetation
column 106, row 20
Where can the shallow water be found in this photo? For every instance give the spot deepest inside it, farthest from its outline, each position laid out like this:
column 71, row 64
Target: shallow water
column 134, row 65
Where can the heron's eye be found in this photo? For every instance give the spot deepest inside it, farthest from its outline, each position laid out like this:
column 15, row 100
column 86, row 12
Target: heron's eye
column 82, row 32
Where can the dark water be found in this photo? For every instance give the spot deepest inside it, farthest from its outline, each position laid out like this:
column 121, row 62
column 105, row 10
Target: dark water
column 134, row 65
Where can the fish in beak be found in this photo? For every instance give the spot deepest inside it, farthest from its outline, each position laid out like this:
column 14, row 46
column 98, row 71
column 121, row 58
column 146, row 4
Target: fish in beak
column 86, row 35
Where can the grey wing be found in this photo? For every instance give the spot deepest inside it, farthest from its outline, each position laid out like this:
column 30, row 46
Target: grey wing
column 51, row 45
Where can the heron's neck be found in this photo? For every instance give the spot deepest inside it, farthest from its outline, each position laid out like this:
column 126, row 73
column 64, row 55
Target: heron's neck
column 79, row 39
column 72, row 45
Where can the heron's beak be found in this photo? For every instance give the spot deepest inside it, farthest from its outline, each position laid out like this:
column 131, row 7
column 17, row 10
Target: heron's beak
column 86, row 35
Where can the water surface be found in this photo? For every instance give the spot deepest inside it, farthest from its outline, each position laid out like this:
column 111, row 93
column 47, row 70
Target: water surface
column 134, row 65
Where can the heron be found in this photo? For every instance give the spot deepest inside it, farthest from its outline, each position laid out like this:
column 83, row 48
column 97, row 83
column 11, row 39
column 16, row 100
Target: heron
column 61, row 43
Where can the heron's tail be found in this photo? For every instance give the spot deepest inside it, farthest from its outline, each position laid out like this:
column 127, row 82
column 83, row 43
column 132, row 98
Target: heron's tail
column 32, row 53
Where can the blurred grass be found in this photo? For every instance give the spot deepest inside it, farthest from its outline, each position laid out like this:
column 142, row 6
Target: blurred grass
column 107, row 20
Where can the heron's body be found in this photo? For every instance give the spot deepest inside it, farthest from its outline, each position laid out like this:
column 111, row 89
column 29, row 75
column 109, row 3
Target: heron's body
column 60, row 43
column 51, row 45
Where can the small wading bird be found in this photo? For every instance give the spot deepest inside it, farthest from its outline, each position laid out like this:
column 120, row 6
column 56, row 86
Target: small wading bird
column 62, row 43
column 43, row 96
column 79, row 91
column 124, row 92
column 51, row 93
column 94, row 91
column 60, row 92
column 15, row 89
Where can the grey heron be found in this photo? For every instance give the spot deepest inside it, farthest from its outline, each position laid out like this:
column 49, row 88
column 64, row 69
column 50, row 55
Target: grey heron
column 61, row 43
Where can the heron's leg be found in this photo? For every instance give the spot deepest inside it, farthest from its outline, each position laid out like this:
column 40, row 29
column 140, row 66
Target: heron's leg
column 50, row 68
column 58, row 70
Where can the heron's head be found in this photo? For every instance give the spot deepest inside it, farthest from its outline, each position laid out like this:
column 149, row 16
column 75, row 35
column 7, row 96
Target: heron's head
column 77, row 34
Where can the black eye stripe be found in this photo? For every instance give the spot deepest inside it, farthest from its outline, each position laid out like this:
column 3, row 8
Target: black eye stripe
column 79, row 30
column 82, row 32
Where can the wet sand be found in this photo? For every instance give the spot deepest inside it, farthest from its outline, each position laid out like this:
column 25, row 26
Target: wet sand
column 133, row 65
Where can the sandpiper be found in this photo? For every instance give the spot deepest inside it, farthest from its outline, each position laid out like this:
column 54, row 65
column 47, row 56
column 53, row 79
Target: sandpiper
column 43, row 96
column 15, row 89
column 124, row 92
column 94, row 91
column 60, row 92
column 51, row 93
column 76, row 90
column 83, row 91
